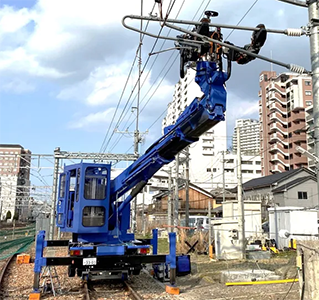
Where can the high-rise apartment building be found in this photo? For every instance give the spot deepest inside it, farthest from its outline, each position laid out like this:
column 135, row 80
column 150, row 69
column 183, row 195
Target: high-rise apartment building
column 206, row 152
column 14, row 180
column 249, row 130
column 283, row 99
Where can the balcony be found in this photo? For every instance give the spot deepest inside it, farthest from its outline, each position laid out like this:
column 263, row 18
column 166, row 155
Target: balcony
column 277, row 169
column 274, row 137
column 274, row 86
column 297, row 138
column 298, row 127
column 278, row 137
column 277, row 126
column 300, row 116
column 302, row 160
column 277, row 106
column 278, row 147
column 277, row 116
column 260, row 93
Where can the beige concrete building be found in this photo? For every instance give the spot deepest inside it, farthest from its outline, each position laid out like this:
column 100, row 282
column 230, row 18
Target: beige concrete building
column 283, row 99
column 249, row 130
column 14, row 180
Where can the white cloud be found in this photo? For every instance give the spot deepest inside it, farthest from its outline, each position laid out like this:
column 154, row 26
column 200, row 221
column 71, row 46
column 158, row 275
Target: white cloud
column 13, row 20
column 102, row 86
column 92, row 120
column 240, row 108
column 18, row 86
column 20, row 62
column 83, row 49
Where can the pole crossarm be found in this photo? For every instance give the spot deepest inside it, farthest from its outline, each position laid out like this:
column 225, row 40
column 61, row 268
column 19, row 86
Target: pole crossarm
column 95, row 156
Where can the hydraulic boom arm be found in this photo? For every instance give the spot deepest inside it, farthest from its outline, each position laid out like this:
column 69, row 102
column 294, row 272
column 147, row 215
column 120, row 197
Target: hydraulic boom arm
column 198, row 117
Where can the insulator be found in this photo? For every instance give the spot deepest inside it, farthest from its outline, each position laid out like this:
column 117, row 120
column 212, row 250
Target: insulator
column 294, row 32
column 296, row 69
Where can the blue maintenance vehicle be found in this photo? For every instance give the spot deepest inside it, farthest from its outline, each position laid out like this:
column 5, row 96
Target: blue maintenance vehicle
column 90, row 204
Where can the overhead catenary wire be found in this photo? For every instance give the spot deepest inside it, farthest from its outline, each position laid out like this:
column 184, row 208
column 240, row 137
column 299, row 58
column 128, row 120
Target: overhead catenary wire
column 243, row 17
column 124, row 114
column 136, row 84
column 163, row 68
column 102, row 149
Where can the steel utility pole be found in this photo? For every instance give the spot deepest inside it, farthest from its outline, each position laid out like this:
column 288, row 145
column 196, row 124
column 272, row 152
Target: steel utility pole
column 187, row 189
column 241, row 211
column 313, row 29
column 54, row 191
column 176, row 200
column 313, row 13
column 136, row 132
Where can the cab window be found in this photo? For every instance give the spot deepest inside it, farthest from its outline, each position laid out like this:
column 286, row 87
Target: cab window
column 95, row 183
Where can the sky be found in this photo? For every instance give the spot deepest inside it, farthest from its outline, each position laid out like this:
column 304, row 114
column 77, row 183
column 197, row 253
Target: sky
column 64, row 64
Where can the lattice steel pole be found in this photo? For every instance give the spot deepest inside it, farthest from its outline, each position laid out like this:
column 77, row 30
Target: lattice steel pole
column 54, row 192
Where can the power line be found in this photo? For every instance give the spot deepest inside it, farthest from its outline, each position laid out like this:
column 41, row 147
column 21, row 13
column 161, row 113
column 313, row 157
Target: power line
column 127, row 102
column 125, row 85
column 157, row 57
column 250, row 8
column 124, row 113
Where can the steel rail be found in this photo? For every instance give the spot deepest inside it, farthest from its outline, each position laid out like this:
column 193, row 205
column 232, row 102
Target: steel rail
column 86, row 291
column 4, row 270
column 134, row 294
column 127, row 286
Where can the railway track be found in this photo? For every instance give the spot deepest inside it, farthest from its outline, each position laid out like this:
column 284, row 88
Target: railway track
column 114, row 290
column 4, row 265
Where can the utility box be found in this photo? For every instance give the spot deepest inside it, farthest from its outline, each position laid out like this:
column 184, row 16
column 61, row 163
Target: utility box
column 226, row 237
column 226, row 234
column 300, row 223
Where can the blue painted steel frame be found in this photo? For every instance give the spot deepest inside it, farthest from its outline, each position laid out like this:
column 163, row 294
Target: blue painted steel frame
column 41, row 243
column 39, row 260
column 171, row 258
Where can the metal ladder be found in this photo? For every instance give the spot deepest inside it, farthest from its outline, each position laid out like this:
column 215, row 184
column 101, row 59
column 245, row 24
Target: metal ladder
column 50, row 281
